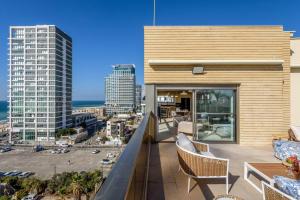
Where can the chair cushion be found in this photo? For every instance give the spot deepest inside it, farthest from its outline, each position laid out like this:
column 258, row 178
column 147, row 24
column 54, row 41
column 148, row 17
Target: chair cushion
column 185, row 143
column 288, row 186
column 207, row 153
column 285, row 149
column 296, row 131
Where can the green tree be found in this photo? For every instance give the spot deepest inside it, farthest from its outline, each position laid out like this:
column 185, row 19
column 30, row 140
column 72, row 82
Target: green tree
column 12, row 181
column 33, row 185
column 5, row 197
column 51, row 187
column 38, row 186
column 76, row 187
column 104, row 139
column 20, row 194
column 65, row 132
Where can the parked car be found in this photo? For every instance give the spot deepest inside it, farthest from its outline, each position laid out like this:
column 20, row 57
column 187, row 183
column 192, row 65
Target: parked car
column 65, row 150
column 38, row 148
column 15, row 173
column 1, row 174
column 98, row 139
column 96, row 151
column 110, row 155
column 54, row 151
column 25, row 174
column 64, row 145
column 5, row 149
column 60, row 150
column 106, row 161
column 7, row 173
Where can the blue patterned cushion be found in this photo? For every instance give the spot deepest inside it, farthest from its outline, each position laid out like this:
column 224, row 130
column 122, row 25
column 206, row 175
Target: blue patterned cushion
column 284, row 149
column 185, row 143
column 288, row 186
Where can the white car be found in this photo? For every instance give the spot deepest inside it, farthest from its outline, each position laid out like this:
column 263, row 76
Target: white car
column 98, row 139
column 95, row 151
column 106, row 161
column 64, row 145
column 7, row 173
column 56, row 151
column 110, row 155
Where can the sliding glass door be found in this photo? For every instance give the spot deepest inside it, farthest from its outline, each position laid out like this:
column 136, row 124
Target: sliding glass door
column 215, row 114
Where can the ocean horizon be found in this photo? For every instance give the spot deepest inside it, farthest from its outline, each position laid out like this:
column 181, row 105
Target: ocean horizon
column 76, row 104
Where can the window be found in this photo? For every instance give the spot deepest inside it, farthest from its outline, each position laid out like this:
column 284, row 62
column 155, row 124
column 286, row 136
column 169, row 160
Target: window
column 215, row 114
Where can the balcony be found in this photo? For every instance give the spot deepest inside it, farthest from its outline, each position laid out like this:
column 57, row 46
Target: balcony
column 148, row 169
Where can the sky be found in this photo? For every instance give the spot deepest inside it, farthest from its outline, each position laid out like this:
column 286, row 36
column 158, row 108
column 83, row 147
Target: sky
column 107, row 32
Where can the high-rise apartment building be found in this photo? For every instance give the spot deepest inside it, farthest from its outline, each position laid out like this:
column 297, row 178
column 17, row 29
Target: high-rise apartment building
column 120, row 89
column 138, row 97
column 40, row 82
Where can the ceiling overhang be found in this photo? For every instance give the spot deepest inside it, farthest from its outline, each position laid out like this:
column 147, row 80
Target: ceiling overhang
column 215, row 62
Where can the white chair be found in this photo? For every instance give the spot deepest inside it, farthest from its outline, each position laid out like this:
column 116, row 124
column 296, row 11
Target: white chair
column 197, row 162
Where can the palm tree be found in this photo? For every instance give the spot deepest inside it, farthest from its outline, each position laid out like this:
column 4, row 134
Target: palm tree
column 37, row 186
column 76, row 187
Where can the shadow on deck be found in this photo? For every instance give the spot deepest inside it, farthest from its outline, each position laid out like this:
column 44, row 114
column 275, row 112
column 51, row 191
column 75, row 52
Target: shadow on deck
column 165, row 182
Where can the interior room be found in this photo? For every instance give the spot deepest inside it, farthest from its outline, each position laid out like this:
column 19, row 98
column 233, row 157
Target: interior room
column 173, row 106
column 206, row 114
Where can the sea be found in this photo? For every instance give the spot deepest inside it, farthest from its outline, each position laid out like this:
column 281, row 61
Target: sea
column 76, row 105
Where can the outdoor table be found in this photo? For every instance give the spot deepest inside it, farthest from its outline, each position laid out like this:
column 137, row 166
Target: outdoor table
column 266, row 171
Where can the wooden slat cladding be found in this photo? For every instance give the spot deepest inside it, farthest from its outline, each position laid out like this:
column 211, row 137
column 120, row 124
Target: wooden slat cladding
column 264, row 91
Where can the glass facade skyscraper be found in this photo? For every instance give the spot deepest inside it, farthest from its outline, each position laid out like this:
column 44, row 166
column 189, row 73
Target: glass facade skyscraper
column 40, row 82
column 138, row 97
column 120, row 89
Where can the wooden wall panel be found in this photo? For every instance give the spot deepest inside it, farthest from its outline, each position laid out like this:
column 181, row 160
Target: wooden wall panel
column 264, row 107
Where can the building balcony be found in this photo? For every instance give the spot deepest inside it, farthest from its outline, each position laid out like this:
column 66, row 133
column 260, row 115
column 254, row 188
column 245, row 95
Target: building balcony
column 149, row 168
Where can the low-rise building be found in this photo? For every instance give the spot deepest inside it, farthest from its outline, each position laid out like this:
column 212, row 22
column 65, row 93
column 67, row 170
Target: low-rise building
column 98, row 112
column 81, row 134
column 114, row 127
column 85, row 120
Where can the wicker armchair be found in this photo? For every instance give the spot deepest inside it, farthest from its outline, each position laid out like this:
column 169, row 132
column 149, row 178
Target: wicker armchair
column 196, row 165
column 292, row 136
column 271, row 193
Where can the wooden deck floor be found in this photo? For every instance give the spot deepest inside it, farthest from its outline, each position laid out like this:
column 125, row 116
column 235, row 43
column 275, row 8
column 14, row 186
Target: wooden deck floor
column 166, row 183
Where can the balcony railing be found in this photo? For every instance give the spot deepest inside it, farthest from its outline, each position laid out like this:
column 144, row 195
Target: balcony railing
column 129, row 176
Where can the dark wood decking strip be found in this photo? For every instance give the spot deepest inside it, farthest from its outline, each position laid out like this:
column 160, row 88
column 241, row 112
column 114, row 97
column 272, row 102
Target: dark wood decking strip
column 272, row 169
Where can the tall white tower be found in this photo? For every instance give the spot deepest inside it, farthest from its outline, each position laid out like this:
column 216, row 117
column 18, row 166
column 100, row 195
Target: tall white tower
column 40, row 82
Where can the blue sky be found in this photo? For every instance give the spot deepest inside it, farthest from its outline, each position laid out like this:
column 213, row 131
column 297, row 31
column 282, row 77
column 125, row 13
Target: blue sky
column 107, row 32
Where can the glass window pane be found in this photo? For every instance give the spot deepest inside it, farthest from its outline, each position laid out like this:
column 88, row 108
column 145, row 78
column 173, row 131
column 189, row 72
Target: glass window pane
column 215, row 115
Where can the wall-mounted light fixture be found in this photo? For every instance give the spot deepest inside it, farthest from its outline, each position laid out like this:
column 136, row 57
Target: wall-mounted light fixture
column 198, row 70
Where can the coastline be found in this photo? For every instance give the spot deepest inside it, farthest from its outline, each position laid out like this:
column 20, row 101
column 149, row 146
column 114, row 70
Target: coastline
column 76, row 105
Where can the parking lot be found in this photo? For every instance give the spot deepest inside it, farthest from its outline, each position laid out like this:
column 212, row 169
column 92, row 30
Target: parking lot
column 44, row 164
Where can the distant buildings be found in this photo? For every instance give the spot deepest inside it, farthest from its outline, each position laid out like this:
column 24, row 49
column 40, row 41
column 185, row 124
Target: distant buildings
column 99, row 112
column 120, row 89
column 40, row 82
column 138, row 97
